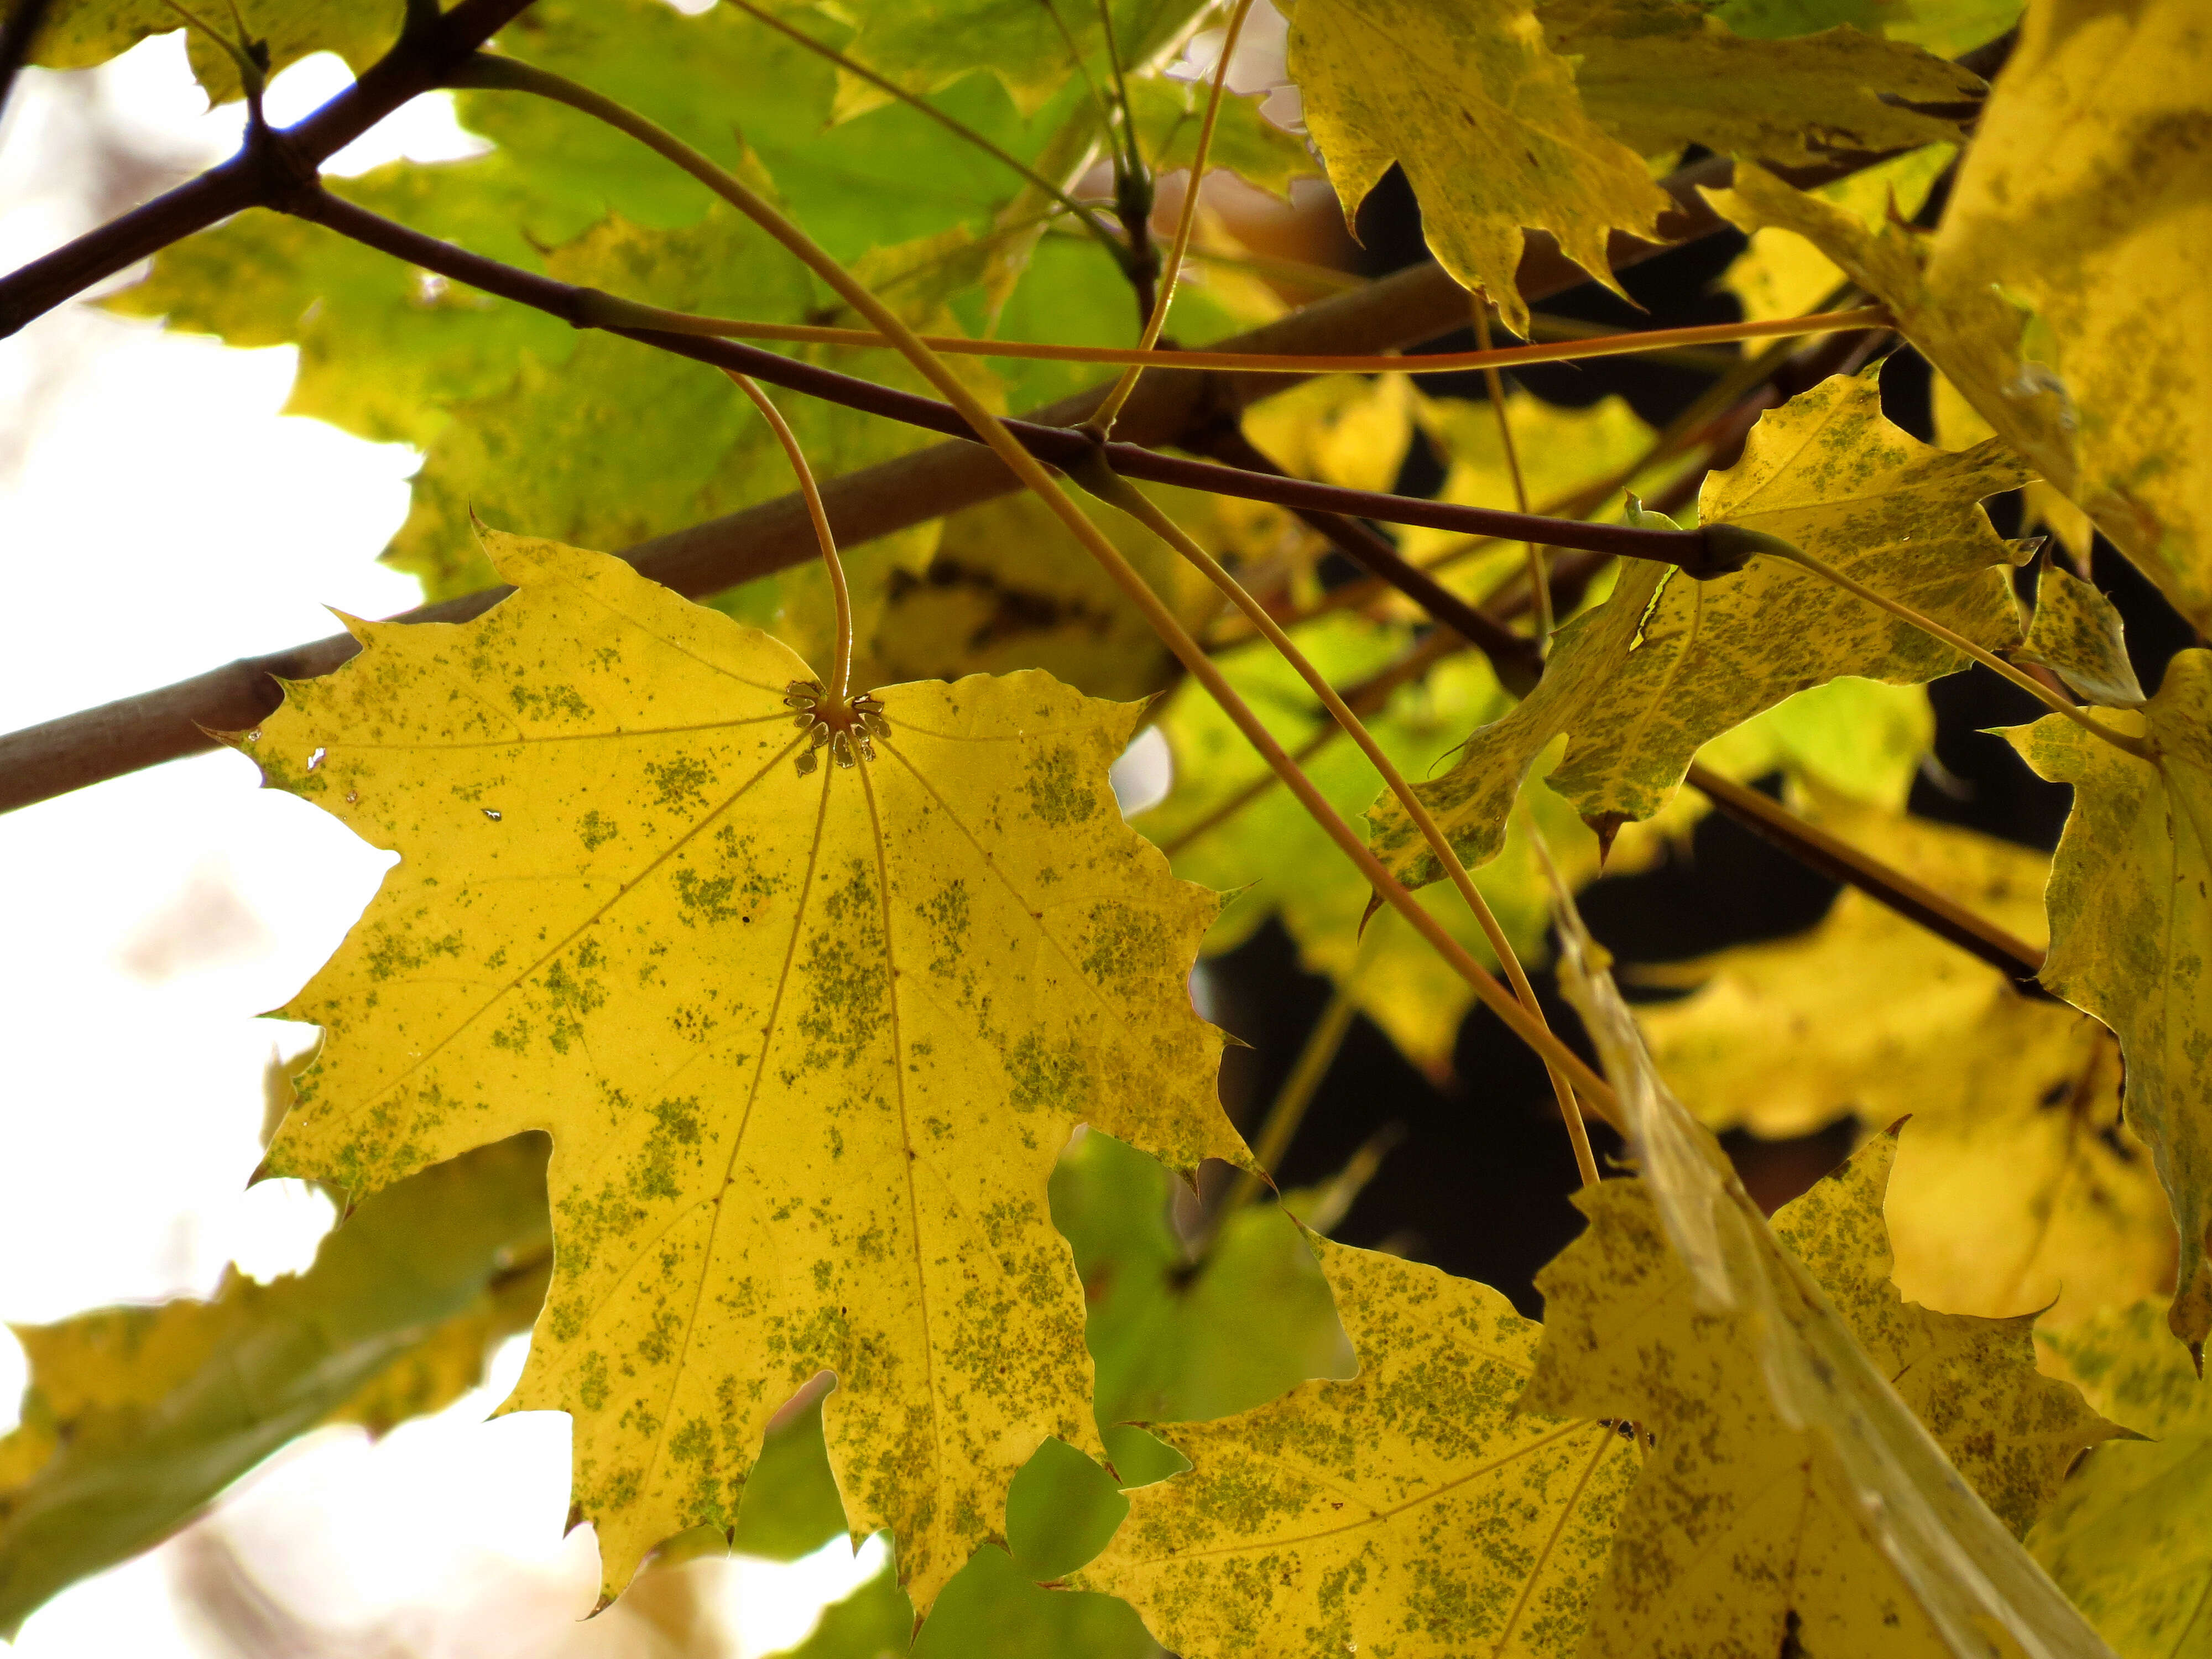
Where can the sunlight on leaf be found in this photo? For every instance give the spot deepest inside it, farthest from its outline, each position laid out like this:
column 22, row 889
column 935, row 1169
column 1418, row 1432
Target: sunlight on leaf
column 2127, row 1541
column 2076, row 632
column 1666, row 663
column 2018, row 1186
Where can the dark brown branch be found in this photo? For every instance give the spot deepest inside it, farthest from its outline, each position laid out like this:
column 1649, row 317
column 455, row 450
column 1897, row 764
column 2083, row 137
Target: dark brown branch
column 25, row 19
column 1401, row 310
column 1518, row 659
column 272, row 166
column 1817, row 850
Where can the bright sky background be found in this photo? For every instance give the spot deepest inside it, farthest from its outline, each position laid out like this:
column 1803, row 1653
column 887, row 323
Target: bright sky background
column 159, row 515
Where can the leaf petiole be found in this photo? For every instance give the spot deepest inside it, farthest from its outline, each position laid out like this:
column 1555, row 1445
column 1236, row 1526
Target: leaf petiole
column 841, row 670
column 616, row 313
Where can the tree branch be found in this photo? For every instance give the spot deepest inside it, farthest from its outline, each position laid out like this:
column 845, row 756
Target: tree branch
column 1402, row 310
column 271, row 167
column 1694, row 551
column 1817, row 850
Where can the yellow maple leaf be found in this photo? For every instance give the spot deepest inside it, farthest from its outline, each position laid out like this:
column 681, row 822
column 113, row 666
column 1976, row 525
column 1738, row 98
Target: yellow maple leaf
column 1484, row 117
column 1960, row 426
column 2131, row 929
column 1660, row 73
column 2086, row 195
column 2017, row 1186
column 1668, row 664
column 2057, row 295
column 1782, row 275
column 1409, row 1511
column 1972, row 1381
column 807, row 1038
column 2127, row 1539
column 1793, row 1504
column 2076, row 631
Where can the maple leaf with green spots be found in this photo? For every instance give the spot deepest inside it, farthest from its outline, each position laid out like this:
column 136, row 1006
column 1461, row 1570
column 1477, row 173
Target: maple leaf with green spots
column 1666, row 663
column 807, row 1036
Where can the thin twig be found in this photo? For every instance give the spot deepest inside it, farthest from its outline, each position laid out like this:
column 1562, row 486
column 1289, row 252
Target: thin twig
column 1539, row 583
column 1058, row 446
column 1364, row 699
column 1576, row 347
column 172, row 721
column 1102, row 420
column 1928, row 625
column 1518, row 659
column 1101, row 480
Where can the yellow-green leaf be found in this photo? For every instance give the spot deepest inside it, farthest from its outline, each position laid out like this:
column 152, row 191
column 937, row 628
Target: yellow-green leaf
column 1792, row 1503
column 2127, row 1539
column 1660, row 73
column 1410, row 1511
column 2087, row 196
column 1169, row 114
column 1782, row 275
column 78, row 33
column 924, row 45
column 2076, row 631
column 2131, row 927
column 1668, row 664
column 807, row 1043
column 137, row 1417
column 1270, row 847
column 1484, row 117
column 1958, row 425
